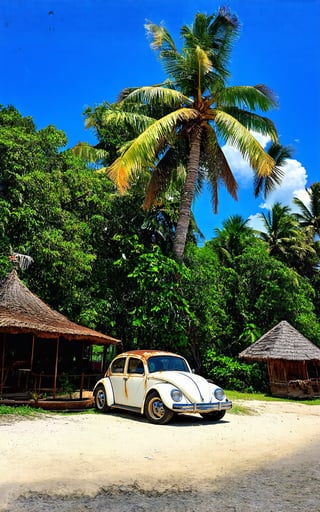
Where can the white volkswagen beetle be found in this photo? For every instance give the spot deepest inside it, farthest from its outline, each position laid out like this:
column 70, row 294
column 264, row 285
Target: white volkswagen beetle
column 158, row 384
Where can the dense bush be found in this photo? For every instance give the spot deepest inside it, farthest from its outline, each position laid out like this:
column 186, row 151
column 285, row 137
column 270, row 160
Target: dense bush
column 230, row 373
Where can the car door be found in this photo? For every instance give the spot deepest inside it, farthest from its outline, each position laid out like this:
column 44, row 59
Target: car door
column 135, row 383
column 117, row 379
column 127, row 379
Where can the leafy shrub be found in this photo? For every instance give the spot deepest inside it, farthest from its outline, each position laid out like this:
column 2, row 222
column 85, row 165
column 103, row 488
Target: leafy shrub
column 233, row 374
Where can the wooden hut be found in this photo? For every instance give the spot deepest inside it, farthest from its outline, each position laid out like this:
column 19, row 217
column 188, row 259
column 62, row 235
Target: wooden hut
column 293, row 361
column 42, row 351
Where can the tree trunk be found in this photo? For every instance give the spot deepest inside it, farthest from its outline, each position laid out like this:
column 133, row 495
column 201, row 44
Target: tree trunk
column 187, row 194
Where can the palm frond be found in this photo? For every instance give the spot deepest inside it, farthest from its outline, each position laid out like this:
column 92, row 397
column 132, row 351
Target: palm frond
column 214, row 35
column 268, row 183
column 89, row 153
column 309, row 215
column 218, row 169
column 280, row 154
column 125, row 93
column 158, row 94
column 253, row 122
column 128, row 90
column 204, row 66
column 141, row 153
column 235, row 134
column 162, row 42
column 160, row 37
column 124, row 118
column 246, row 96
column 305, row 211
column 160, row 178
column 223, row 30
column 204, row 63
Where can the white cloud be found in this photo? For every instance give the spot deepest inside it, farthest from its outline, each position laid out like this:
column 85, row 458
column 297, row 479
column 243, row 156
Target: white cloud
column 255, row 222
column 293, row 183
column 240, row 168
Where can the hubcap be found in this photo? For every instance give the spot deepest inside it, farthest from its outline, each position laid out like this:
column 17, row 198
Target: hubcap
column 101, row 399
column 157, row 408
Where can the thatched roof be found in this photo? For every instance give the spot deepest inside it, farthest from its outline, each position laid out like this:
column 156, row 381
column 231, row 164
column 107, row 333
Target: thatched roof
column 23, row 312
column 282, row 342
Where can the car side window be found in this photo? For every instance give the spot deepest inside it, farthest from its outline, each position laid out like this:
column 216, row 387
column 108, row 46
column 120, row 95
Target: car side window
column 135, row 366
column 118, row 365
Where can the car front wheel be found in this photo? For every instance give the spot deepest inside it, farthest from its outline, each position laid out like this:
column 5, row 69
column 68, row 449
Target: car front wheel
column 155, row 411
column 213, row 416
column 100, row 399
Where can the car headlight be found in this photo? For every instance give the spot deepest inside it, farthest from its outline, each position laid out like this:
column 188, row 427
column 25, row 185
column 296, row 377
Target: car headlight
column 219, row 394
column 176, row 395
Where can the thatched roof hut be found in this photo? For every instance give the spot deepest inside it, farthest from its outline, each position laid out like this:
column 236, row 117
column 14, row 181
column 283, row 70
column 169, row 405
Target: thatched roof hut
column 23, row 312
column 293, row 361
column 28, row 328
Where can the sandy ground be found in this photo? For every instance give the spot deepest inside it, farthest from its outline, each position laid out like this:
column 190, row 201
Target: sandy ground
column 268, row 461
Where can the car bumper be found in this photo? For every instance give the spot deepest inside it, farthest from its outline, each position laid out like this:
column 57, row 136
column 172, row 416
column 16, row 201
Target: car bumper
column 202, row 407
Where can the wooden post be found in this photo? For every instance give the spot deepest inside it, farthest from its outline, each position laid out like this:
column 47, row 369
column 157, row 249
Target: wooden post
column 56, row 370
column 104, row 359
column 32, row 352
column 81, row 384
column 2, row 363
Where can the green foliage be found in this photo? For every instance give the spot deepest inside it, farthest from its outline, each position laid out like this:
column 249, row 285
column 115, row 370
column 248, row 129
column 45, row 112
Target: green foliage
column 269, row 292
column 266, row 397
column 158, row 314
column 21, row 411
column 233, row 374
column 50, row 202
column 208, row 299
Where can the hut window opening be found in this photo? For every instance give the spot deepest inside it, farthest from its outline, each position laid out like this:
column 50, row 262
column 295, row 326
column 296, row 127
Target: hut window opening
column 313, row 371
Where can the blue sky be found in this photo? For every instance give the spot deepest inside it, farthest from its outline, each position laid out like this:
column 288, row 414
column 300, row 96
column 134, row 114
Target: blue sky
column 59, row 56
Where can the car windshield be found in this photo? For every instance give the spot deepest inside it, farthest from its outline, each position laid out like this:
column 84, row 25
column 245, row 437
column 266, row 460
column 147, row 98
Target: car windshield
column 167, row 363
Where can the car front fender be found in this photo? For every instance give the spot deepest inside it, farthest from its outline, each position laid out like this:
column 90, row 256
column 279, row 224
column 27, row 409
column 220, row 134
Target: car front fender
column 163, row 389
column 105, row 381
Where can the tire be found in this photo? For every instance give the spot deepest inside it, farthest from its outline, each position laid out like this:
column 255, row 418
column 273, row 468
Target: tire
column 100, row 399
column 213, row 416
column 155, row 411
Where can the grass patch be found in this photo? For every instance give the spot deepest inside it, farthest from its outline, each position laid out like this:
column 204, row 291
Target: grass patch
column 236, row 395
column 241, row 410
column 25, row 411
column 21, row 410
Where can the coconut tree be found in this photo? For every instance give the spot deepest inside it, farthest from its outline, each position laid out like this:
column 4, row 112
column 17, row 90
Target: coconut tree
column 281, row 229
column 231, row 240
column 200, row 110
column 286, row 240
column 267, row 184
column 309, row 216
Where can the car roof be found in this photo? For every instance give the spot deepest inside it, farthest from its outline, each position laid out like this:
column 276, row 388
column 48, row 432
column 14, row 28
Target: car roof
column 147, row 353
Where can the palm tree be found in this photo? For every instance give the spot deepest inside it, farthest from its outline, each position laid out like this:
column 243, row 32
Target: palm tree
column 267, row 184
column 286, row 240
column 200, row 110
column 232, row 239
column 281, row 228
column 309, row 216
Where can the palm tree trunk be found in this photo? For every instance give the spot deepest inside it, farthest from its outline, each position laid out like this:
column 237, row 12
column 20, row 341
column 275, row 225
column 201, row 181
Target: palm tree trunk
column 187, row 194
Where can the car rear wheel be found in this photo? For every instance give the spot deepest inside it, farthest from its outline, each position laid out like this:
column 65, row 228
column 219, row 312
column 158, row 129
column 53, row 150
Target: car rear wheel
column 100, row 399
column 213, row 416
column 155, row 411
